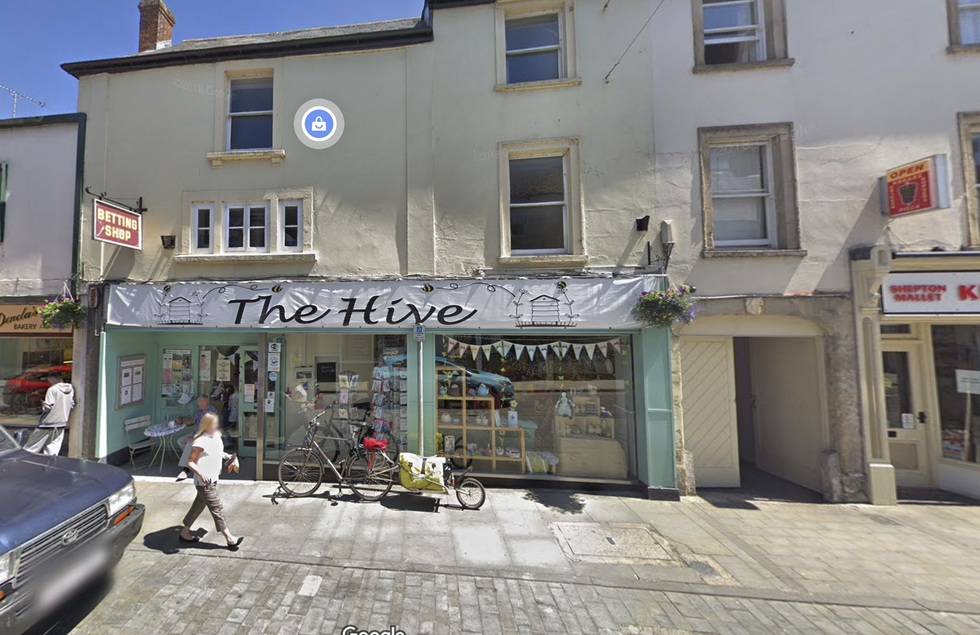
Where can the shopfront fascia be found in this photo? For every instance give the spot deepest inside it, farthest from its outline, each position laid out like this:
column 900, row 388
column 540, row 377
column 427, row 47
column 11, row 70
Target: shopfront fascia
column 541, row 378
column 930, row 350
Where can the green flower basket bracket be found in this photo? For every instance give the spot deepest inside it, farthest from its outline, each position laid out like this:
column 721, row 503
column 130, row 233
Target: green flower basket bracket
column 62, row 312
column 664, row 309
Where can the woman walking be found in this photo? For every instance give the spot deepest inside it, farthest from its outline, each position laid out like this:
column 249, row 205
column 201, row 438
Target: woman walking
column 205, row 462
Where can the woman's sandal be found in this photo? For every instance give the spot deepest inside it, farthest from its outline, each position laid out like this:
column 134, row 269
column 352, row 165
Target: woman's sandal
column 194, row 539
column 235, row 545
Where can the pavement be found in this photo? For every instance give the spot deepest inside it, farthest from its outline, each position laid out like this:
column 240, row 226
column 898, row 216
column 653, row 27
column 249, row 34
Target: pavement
column 544, row 561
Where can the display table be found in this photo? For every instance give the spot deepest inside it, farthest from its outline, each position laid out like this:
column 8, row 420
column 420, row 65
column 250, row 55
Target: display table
column 164, row 433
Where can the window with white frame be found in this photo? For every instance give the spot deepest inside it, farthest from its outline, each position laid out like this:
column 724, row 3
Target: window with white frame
column 291, row 224
column 964, row 22
column 749, row 188
column 202, row 236
column 969, row 125
column 732, row 32
column 250, row 109
column 742, row 195
column 538, row 205
column 534, row 48
column 246, row 227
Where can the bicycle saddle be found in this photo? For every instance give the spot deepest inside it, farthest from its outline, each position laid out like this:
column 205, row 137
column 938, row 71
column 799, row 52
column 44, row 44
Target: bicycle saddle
column 375, row 444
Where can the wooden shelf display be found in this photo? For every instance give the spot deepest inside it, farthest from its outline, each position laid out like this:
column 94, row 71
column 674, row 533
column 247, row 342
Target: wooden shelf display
column 473, row 420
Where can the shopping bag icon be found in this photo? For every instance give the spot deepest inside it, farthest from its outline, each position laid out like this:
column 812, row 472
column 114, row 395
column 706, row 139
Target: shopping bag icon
column 319, row 125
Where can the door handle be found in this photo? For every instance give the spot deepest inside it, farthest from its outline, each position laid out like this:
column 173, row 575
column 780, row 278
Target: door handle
column 922, row 417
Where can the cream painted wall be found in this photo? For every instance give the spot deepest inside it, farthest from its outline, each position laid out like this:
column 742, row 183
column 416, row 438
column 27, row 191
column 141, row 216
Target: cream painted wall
column 35, row 256
column 872, row 88
column 412, row 187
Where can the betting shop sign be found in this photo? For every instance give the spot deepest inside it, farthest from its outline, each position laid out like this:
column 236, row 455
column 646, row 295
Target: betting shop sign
column 117, row 226
column 931, row 293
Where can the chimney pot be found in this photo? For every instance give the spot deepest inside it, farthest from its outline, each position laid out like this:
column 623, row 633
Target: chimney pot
column 156, row 25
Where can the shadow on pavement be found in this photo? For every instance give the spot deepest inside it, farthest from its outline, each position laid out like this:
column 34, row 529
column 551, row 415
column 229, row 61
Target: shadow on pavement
column 411, row 502
column 566, row 502
column 76, row 609
column 925, row 496
column 167, row 541
column 757, row 485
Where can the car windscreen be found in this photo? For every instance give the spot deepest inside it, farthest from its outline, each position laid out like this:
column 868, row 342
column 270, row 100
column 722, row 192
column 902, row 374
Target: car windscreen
column 7, row 443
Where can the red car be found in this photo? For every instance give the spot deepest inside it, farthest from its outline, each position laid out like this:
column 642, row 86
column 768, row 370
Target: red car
column 27, row 390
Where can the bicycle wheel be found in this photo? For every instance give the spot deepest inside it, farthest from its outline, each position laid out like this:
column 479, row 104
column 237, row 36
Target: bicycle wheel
column 470, row 493
column 300, row 472
column 369, row 475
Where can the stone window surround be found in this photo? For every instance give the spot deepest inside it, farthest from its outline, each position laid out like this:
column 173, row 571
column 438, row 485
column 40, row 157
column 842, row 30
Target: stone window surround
column 516, row 8
column 955, row 43
column 569, row 148
column 224, row 73
column 781, row 138
column 777, row 49
column 217, row 199
column 969, row 125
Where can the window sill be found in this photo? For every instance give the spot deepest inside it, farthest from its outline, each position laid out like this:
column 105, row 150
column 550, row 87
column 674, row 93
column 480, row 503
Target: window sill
column 955, row 49
column 545, row 260
column 283, row 256
column 547, row 83
column 704, row 69
column 753, row 253
column 275, row 156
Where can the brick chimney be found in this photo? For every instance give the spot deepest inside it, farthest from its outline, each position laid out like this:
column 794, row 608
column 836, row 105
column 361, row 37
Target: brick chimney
column 156, row 25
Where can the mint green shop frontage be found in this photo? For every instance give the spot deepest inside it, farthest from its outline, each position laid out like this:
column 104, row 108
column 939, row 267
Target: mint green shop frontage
column 531, row 381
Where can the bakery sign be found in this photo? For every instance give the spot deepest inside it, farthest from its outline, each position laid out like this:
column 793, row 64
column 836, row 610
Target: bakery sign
column 931, row 293
column 915, row 187
column 116, row 225
column 23, row 319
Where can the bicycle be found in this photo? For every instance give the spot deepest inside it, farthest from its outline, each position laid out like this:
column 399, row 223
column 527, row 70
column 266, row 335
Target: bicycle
column 301, row 470
column 334, row 440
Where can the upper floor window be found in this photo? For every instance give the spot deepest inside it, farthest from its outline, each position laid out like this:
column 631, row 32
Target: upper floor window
column 964, row 22
column 748, row 189
column 291, row 221
column 535, row 43
column 541, row 206
column 250, row 107
column 534, row 48
column 969, row 124
column 202, row 231
column 247, row 227
column 738, row 32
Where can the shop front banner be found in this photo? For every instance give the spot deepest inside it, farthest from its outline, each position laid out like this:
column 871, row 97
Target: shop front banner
column 931, row 292
column 460, row 304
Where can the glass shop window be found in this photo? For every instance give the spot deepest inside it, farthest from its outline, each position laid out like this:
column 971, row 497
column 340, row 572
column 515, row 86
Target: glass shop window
column 24, row 366
column 536, row 405
column 956, row 354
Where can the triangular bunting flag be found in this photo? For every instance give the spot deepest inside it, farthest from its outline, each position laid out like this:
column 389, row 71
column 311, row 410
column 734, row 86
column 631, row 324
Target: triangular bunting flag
column 544, row 350
column 507, row 347
column 519, row 350
column 474, row 351
column 451, row 345
column 578, row 348
column 590, row 351
column 531, row 350
column 557, row 348
column 603, row 348
column 616, row 345
column 486, row 350
column 565, row 348
column 499, row 347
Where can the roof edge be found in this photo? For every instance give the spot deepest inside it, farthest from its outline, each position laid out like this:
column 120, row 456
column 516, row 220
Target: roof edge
column 43, row 120
column 309, row 46
column 454, row 4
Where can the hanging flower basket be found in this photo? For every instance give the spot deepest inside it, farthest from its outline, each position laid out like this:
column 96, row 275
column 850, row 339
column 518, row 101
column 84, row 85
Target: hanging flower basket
column 663, row 309
column 63, row 312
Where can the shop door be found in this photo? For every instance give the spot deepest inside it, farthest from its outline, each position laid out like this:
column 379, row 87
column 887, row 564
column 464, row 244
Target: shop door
column 248, row 408
column 908, row 422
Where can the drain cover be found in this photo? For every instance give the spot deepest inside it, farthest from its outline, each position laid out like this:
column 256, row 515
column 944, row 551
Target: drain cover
column 602, row 542
column 702, row 567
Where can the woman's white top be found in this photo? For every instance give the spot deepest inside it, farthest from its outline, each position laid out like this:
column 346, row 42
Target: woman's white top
column 212, row 454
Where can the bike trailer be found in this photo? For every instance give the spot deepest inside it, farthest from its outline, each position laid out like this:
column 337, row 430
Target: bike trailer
column 422, row 472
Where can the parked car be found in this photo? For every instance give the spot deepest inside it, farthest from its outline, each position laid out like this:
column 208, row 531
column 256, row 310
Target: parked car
column 27, row 390
column 63, row 524
column 498, row 385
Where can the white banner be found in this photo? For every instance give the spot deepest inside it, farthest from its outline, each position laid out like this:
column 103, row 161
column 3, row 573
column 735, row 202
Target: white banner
column 499, row 304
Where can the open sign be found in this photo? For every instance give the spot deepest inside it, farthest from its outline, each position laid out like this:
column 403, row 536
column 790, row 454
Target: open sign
column 117, row 226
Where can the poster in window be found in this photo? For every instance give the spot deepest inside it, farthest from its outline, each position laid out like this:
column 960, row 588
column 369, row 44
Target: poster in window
column 130, row 376
column 204, row 366
column 224, row 369
column 326, row 372
column 176, row 377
